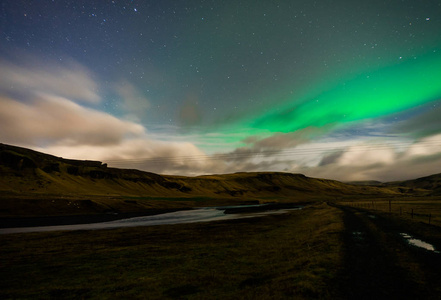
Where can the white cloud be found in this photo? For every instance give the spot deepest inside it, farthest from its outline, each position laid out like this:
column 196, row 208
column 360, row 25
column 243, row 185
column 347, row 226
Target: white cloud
column 383, row 162
column 70, row 80
column 40, row 109
column 425, row 146
column 56, row 120
column 362, row 155
column 141, row 153
column 63, row 128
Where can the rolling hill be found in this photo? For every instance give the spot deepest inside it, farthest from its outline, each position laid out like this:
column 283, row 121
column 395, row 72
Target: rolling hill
column 34, row 183
column 430, row 183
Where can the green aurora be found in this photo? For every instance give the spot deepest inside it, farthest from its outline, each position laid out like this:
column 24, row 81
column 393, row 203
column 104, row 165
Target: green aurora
column 369, row 95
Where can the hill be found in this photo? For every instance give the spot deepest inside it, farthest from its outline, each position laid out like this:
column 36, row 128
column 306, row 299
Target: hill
column 34, row 183
column 432, row 184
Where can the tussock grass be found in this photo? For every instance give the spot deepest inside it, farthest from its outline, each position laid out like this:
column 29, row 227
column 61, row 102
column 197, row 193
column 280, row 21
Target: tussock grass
column 295, row 255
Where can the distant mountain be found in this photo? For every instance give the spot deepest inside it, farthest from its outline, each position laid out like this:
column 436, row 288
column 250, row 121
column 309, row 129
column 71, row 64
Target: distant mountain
column 32, row 182
column 432, row 184
column 366, row 182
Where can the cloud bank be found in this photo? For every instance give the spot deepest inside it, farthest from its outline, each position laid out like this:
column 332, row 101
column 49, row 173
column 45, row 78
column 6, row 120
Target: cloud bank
column 56, row 109
column 50, row 119
column 69, row 79
column 51, row 109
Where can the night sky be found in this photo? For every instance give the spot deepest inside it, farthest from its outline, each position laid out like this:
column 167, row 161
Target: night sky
column 347, row 90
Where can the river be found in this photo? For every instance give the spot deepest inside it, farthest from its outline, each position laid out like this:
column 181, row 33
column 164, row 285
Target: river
column 204, row 214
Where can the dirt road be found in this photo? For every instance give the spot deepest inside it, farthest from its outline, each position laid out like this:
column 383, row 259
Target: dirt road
column 380, row 263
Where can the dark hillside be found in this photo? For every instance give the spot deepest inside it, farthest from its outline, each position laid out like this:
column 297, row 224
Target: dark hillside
column 34, row 183
column 431, row 184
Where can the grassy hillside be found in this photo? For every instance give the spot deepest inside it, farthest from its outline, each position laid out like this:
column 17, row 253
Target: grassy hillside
column 430, row 183
column 34, row 183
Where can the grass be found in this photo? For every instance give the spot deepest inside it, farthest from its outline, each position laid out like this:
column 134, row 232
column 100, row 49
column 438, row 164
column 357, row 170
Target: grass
column 424, row 209
column 379, row 262
column 297, row 255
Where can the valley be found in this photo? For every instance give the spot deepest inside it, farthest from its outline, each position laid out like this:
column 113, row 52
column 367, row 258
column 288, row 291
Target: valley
column 348, row 240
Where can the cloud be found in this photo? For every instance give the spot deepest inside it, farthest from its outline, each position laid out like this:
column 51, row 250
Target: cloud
column 43, row 108
column 282, row 141
column 64, row 128
column 330, row 158
column 134, row 102
column 423, row 124
column 424, row 147
column 274, row 152
column 382, row 162
column 48, row 108
column 142, row 153
column 51, row 119
column 363, row 155
column 70, row 80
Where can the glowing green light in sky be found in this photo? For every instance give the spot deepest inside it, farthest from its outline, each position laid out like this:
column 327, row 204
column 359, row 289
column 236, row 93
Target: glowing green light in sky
column 369, row 95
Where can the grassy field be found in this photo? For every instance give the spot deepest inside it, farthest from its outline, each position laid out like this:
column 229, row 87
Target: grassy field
column 298, row 255
column 351, row 248
column 419, row 209
column 381, row 264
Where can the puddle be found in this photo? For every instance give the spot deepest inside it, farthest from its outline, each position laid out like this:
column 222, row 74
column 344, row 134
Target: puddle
column 358, row 236
column 418, row 243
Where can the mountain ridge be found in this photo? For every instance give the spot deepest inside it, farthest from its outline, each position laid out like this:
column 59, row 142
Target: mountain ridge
column 28, row 177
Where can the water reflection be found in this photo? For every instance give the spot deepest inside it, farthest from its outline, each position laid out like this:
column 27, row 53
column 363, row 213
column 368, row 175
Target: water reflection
column 205, row 214
column 418, row 243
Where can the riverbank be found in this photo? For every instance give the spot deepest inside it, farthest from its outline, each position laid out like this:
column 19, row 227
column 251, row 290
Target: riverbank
column 277, row 256
column 16, row 222
column 79, row 219
column 319, row 252
column 264, row 207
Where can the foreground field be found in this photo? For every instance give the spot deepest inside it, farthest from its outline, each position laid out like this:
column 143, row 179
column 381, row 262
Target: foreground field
column 297, row 254
column 323, row 251
column 388, row 257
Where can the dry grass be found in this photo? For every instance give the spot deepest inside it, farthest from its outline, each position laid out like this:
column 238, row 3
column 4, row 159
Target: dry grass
column 424, row 209
column 281, row 256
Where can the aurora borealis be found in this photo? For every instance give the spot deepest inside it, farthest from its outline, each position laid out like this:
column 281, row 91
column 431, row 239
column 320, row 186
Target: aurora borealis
column 347, row 90
column 373, row 94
